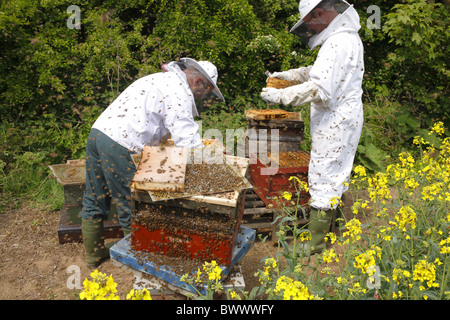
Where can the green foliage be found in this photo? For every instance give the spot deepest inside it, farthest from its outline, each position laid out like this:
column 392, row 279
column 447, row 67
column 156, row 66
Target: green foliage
column 420, row 31
column 369, row 155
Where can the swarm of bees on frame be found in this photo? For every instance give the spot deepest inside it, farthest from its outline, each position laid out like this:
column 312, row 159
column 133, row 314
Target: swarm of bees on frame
column 206, row 177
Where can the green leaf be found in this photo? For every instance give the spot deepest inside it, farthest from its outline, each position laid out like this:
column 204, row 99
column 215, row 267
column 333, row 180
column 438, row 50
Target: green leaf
column 416, row 37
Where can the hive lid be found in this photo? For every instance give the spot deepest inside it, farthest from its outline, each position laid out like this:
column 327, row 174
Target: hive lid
column 70, row 173
column 161, row 169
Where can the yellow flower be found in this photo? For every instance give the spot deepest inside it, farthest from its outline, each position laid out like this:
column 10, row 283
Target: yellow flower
column 302, row 184
column 335, row 202
column 438, row 127
column 378, row 187
column 406, row 215
column 395, row 295
column 329, row 256
column 305, row 236
column 341, row 280
column 406, row 159
column 286, row 195
column 360, row 171
column 142, row 294
column 355, row 207
column 425, row 272
column 419, row 140
column 101, row 288
column 410, row 183
column 213, row 271
column 364, row 260
column 331, row 236
column 234, row 295
column 445, row 246
column 356, row 289
column 292, row 290
column 269, row 264
column 354, row 229
column 399, row 274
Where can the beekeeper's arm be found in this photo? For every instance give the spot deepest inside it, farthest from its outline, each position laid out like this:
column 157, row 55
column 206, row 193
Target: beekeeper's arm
column 300, row 74
column 297, row 95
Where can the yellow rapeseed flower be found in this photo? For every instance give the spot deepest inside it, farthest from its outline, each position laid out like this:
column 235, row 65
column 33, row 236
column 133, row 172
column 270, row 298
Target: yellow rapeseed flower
column 406, row 215
column 292, row 289
column 354, row 229
column 329, row 256
column 399, row 274
column 425, row 272
column 360, row 171
column 364, row 260
column 101, row 288
column 305, row 236
column 445, row 246
column 302, row 184
column 331, row 236
column 438, row 127
column 142, row 294
column 213, row 270
column 286, row 195
column 269, row 264
column 378, row 187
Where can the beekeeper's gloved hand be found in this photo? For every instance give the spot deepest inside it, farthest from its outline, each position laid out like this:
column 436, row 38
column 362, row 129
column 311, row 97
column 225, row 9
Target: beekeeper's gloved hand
column 283, row 75
column 271, row 95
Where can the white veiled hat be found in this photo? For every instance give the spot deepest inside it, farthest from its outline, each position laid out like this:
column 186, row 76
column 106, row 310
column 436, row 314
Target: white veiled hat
column 208, row 69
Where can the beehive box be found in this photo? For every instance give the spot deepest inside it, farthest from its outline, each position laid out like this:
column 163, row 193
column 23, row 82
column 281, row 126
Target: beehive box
column 176, row 231
column 273, row 134
column 72, row 177
column 171, row 269
column 197, row 227
column 272, row 179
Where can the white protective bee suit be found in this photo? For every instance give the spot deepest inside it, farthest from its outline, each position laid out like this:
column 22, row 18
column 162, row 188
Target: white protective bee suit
column 155, row 107
column 333, row 87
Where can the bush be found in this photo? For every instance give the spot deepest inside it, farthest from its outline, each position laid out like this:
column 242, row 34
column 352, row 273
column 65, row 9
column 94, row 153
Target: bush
column 55, row 81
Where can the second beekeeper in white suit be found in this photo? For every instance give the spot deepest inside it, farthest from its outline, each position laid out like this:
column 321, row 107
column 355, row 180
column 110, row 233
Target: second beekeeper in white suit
column 333, row 87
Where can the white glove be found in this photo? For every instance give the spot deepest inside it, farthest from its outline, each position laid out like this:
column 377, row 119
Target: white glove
column 271, row 95
column 300, row 94
column 283, row 75
column 301, row 74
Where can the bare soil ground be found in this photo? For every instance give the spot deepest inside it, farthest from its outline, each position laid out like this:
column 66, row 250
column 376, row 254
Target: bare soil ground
column 35, row 266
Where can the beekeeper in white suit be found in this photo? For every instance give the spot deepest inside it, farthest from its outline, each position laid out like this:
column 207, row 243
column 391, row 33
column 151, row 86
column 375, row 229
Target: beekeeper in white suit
column 149, row 111
column 333, row 87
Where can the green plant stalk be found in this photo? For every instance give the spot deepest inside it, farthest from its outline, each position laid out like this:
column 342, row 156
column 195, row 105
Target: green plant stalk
column 444, row 278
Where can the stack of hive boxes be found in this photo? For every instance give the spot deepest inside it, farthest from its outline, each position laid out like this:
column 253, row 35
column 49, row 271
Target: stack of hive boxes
column 199, row 222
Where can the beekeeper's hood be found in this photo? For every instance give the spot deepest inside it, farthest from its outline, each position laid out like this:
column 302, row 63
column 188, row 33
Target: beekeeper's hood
column 346, row 21
column 206, row 68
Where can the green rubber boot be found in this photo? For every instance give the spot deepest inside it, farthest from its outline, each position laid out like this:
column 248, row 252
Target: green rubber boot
column 94, row 242
column 125, row 231
column 319, row 226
